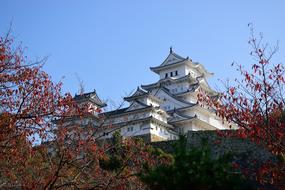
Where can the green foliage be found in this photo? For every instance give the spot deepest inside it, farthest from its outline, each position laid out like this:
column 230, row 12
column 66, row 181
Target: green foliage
column 160, row 155
column 111, row 164
column 194, row 169
column 114, row 161
column 117, row 138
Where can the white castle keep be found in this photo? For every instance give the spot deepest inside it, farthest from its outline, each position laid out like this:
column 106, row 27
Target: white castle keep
column 161, row 110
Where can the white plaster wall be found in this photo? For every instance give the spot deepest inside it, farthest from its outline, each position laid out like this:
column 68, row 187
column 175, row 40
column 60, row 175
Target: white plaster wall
column 142, row 129
column 128, row 117
column 193, row 72
column 190, row 112
column 178, row 87
column 191, row 98
column 181, row 72
column 196, row 128
column 151, row 102
column 159, row 116
column 190, row 127
column 203, row 117
column 137, row 129
column 185, row 128
column 216, row 122
column 160, row 131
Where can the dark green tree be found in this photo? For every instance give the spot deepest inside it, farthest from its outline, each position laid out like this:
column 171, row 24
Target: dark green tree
column 194, row 168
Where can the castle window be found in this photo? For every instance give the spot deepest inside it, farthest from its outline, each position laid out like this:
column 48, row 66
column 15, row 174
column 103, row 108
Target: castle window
column 176, row 73
column 171, row 74
column 166, row 75
column 130, row 129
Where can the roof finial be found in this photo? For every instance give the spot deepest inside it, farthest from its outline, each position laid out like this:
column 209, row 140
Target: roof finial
column 170, row 49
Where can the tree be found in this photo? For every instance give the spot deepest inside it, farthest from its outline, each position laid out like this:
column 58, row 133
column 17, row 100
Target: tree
column 29, row 102
column 33, row 108
column 256, row 105
column 125, row 160
column 194, row 169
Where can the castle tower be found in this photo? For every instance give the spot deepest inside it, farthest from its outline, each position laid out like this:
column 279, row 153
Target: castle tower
column 179, row 82
column 161, row 110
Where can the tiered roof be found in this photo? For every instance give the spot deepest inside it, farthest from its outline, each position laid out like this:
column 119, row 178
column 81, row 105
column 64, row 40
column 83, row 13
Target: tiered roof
column 192, row 88
column 90, row 96
column 171, row 60
column 167, row 91
column 188, row 78
column 126, row 110
column 174, row 60
column 141, row 93
column 177, row 117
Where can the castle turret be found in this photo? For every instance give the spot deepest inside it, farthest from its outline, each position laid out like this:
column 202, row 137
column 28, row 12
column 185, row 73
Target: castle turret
column 91, row 100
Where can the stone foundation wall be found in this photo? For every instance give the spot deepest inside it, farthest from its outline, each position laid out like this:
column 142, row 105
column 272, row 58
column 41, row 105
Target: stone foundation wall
column 221, row 144
column 242, row 149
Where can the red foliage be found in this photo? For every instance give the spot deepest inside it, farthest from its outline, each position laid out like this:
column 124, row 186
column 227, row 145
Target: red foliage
column 33, row 108
column 256, row 106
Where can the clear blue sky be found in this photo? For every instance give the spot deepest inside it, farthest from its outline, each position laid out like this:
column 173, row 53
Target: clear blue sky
column 110, row 45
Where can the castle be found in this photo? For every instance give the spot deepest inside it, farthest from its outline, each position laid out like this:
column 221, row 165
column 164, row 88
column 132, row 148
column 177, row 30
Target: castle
column 162, row 110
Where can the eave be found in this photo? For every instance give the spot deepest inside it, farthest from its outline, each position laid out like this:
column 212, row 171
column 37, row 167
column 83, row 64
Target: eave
column 120, row 112
column 169, row 79
column 147, row 119
column 163, row 67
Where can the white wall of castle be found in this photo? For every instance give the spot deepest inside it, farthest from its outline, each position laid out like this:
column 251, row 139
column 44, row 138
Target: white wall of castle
column 162, row 132
column 128, row 117
column 136, row 116
column 139, row 129
column 149, row 102
column 183, row 129
column 176, row 88
column 193, row 72
column 181, row 71
column 192, row 98
column 206, row 116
